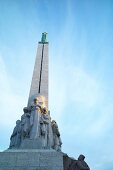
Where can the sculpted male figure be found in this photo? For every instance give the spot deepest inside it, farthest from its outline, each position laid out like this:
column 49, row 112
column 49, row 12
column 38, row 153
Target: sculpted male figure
column 15, row 139
column 56, row 136
column 44, row 127
column 25, row 123
column 79, row 164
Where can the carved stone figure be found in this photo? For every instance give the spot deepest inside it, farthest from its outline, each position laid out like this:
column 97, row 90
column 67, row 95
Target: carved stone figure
column 44, row 127
column 56, row 136
column 35, row 120
column 15, row 139
column 36, row 110
column 79, row 164
column 50, row 135
column 25, row 123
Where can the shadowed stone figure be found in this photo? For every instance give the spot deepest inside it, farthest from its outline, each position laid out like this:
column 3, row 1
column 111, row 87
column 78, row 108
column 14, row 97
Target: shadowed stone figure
column 56, row 136
column 25, row 123
column 15, row 138
column 79, row 164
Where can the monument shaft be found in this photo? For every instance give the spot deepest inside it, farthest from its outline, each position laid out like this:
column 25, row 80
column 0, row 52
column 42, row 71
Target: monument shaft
column 39, row 84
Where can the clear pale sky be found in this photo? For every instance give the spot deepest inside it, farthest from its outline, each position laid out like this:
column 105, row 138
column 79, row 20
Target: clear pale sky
column 80, row 34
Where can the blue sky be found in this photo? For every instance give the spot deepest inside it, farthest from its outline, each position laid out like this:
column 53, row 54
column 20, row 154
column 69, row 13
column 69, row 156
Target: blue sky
column 80, row 34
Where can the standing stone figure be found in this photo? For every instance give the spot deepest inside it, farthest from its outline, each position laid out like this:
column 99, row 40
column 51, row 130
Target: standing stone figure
column 56, row 136
column 44, row 127
column 35, row 119
column 25, row 123
column 36, row 111
column 15, row 139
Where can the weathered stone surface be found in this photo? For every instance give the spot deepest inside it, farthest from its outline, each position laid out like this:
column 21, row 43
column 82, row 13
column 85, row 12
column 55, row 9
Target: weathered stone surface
column 31, row 144
column 67, row 161
column 31, row 160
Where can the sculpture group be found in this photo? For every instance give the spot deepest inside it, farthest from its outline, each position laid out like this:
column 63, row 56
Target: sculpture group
column 36, row 124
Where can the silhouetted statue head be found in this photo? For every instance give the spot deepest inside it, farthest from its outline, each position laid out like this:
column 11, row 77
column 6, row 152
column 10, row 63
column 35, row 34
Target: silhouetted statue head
column 81, row 157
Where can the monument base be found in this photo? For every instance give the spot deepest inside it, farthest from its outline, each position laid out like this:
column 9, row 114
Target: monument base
column 31, row 160
column 31, row 144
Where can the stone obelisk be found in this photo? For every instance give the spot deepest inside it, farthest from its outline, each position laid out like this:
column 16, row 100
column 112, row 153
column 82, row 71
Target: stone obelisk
column 35, row 143
column 39, row 84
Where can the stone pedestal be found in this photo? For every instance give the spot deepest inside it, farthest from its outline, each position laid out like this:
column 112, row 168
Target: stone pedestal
column 31, row 144
column 31, row 160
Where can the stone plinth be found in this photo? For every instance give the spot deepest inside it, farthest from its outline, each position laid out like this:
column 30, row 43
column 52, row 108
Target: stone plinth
column 31, row 144
column 31, row 160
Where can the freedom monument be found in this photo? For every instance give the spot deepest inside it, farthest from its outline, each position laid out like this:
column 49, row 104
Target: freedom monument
column 35, row 143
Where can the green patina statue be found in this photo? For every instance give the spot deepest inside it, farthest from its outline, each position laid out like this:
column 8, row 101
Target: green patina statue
column 44, row 37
